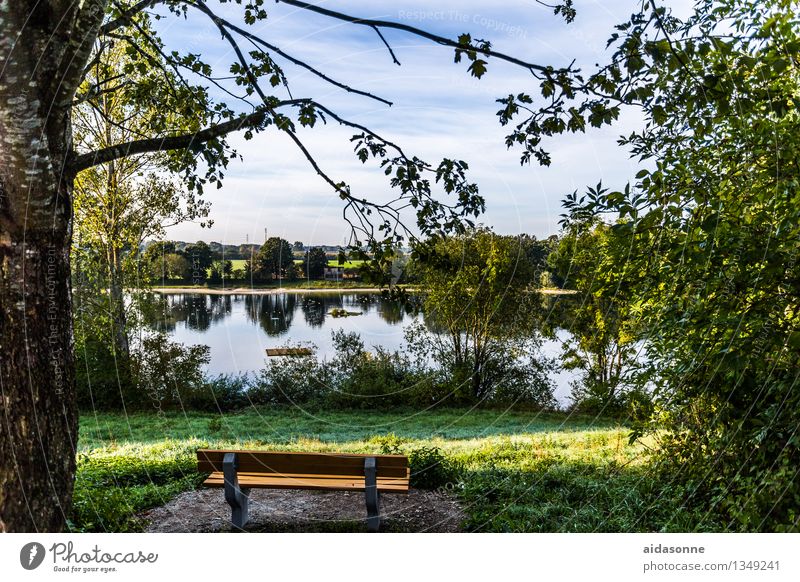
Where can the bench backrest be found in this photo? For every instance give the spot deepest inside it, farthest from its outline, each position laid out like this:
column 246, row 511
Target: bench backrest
column 393, row 466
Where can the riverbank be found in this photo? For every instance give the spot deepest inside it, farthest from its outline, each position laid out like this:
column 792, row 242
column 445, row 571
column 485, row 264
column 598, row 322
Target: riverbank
column 263, row 291
column 303, row 290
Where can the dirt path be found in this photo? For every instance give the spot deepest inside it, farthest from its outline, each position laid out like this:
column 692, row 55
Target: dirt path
column 274, row 510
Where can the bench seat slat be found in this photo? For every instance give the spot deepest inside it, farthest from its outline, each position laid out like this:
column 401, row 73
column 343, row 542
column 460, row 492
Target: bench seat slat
column 300, row 481
column 395, row 466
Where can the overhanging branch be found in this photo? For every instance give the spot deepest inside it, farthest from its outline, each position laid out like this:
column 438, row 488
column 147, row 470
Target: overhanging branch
column 378, row 24
column 126, row 16
column 161, row 144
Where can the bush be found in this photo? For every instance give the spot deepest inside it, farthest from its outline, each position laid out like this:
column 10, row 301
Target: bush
column 432, row 469
column 616, row 402
column 167, row 373
column 389, row 444
column 221, row 394
column 112, row 488
column 100, row 383
column 290, row 380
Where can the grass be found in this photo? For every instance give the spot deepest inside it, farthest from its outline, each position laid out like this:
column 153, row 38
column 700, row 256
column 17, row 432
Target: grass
column 296, row 284
column 518, row 471
column 347, row 264
column 240, row 263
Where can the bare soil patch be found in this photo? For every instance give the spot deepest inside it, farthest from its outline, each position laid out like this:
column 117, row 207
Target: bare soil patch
column 276, row 510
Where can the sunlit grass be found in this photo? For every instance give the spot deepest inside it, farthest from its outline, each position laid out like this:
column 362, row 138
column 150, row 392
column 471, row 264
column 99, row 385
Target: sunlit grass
column 520, row 471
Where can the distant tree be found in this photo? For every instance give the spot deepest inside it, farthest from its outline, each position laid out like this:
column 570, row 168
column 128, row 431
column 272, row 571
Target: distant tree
column 200, row 259
column 481, row 305
column 176, row 266
column 298, row 245
column 602, row 344
column 275, row 260
column 153, row 260
column 314, row 263
column 536, row 252
column 220, row 271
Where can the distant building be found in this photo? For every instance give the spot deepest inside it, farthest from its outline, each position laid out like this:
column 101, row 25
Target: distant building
column 339, row 273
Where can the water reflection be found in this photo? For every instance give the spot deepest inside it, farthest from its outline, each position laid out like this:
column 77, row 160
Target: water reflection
column 196, row 312
column 273, row 313
column 239, row 328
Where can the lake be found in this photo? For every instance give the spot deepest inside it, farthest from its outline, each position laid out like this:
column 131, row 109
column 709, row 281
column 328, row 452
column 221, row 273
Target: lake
column 239, row 328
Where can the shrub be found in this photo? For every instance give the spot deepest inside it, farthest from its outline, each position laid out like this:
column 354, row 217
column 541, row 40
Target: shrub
column 167, row 373
column 290, row 380
column 112, row 488
column 221, row 394
column 432, row 469
column 389, row 444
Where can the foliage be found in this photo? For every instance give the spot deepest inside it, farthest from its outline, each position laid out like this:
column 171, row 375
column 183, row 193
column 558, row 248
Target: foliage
column 480, row 305
column 432, row 469
column 296, row 380
column 601, row 318
column 117, row 206
column 168, row 374
column 113, row 486
column 200, row 260
column 275, row 260
column 712, row 224
column 222, row 271
column 224, row 393
column 314, row 263
column 375, row 380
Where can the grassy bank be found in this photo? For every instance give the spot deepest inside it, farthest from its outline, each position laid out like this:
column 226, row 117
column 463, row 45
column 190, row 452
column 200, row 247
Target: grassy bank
column 515, row 471
column 239, row 284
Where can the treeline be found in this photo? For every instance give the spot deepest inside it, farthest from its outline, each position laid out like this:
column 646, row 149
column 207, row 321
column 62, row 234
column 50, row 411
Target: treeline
column 199, row 263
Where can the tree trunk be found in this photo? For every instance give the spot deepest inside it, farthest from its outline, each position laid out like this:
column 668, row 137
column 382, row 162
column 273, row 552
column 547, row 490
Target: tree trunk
column 38, row 419
column 119, row 319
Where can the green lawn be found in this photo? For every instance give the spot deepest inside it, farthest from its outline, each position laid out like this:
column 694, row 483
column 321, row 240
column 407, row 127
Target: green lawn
column 346, row 264
column 517, row 471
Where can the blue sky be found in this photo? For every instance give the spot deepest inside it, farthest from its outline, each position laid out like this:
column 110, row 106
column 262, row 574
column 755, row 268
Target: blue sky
column 439, row 111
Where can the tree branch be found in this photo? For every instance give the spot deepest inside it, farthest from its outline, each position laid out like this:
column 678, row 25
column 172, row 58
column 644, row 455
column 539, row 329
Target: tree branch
column 126, row 16
column 269, row 46
column 378, row 24
column 160, row 144
column 391, row 52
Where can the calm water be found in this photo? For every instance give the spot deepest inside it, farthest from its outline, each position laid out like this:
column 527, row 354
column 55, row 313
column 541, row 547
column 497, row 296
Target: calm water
column 239, row 328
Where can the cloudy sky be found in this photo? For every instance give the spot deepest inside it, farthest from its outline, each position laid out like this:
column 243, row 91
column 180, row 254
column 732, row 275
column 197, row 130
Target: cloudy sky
column 439, row 111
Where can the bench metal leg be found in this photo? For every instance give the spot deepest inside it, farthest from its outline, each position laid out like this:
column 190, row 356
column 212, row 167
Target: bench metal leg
column 372, row 494
column 234, row 495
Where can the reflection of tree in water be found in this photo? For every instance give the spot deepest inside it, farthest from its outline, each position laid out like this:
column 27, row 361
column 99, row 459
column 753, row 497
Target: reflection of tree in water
column 362, row 303
column 559, row 313
column 273, row 313
column 314, row 310
column 390, row 310
column 154, row 309
column 198, row 312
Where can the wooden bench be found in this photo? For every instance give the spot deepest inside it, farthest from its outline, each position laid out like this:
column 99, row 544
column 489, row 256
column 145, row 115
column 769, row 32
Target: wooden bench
column 239, row 471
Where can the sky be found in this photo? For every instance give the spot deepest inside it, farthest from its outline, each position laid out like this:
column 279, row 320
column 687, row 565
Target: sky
column 439, row 111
